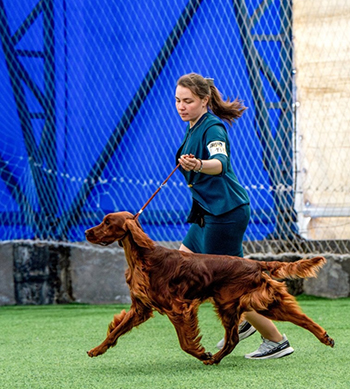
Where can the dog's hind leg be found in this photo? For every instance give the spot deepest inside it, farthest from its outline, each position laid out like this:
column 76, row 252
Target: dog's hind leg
column 185, row 321
column 117, row 319
column 125, row 322
column 285, row 308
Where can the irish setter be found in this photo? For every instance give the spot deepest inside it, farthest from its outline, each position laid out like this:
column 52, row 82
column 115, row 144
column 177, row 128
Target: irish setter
column 175, row 283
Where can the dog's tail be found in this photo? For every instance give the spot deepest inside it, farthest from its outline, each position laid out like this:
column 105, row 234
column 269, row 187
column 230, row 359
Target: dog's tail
column 299, row 269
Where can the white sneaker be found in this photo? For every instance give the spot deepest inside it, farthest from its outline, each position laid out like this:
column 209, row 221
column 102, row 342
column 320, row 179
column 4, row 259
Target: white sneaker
column 245, row 329
column 269, row 349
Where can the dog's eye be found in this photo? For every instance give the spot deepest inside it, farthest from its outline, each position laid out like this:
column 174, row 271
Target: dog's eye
column 107, row 222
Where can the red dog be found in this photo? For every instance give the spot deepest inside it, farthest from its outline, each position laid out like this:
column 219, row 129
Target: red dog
column 175, row 283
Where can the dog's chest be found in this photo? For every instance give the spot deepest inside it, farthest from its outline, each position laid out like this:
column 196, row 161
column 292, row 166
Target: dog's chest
column 139, row 285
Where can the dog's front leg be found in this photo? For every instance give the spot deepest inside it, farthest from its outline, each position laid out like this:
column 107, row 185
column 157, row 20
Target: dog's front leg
column 124, row 322
column 231, row 341
column 230, row 318
column 186, row 325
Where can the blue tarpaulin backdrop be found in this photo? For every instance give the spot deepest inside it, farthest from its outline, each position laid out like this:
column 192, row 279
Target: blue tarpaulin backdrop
column 88, row 123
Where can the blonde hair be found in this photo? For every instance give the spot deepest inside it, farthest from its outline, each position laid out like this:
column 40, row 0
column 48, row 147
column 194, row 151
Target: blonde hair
column 227, row 110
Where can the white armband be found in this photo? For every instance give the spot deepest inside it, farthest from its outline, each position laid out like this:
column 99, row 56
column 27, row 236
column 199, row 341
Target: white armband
column 217, row 147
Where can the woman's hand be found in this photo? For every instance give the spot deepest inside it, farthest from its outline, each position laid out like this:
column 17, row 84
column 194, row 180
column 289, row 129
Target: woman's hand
column 189, row 162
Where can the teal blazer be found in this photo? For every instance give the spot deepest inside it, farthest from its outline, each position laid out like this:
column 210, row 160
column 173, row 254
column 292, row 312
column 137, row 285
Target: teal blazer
column 208, row 139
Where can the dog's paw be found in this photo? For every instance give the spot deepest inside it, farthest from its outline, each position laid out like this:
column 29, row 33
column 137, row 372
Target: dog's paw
column 207, row 358
column 329, row 341
column 95, row 352
column 92, row 353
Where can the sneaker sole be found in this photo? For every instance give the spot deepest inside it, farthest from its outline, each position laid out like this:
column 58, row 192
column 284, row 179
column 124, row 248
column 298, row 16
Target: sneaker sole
column 279, row 354
column 247, row 333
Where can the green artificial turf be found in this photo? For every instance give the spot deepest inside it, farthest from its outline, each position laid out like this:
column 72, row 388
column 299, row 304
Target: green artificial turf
column 45, row 347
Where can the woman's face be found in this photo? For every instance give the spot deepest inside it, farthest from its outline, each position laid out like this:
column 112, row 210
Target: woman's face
column 189, row 106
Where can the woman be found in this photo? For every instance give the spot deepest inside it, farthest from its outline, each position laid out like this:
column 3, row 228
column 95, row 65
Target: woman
column 220, row 211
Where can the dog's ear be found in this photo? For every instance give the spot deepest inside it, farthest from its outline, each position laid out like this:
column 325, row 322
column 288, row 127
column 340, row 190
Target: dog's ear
column 140, row 238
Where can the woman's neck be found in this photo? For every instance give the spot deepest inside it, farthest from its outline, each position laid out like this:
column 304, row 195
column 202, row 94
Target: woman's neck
column 192, row 124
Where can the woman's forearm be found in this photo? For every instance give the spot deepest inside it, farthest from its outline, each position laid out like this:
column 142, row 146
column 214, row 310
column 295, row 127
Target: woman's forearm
column 209, row 166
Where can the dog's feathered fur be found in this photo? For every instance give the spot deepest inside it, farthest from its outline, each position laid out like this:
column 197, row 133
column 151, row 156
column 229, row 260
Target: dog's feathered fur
column 175, row 283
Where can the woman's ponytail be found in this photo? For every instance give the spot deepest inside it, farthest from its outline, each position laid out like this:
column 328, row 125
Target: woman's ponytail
column 227, row 110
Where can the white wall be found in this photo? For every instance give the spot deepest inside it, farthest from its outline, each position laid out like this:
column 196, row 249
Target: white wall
column 322, row 61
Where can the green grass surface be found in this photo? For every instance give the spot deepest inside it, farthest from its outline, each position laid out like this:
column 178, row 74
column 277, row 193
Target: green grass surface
column 45, row 347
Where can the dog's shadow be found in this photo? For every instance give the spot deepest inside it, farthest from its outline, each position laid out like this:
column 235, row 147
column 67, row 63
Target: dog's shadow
column 163, row 366
column 166, row 361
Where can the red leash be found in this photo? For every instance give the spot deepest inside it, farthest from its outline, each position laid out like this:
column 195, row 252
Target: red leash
column 161, row 186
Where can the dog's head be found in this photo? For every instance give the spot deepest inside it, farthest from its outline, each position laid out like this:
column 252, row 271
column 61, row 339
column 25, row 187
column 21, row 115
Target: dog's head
column 115, row 227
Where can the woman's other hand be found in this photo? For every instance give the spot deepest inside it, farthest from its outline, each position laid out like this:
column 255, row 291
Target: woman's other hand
column 189, row 162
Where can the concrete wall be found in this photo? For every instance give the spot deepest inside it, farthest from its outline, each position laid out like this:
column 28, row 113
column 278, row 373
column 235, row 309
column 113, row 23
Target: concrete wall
column 98, row 274
column 50, row 273
column 53, row 273
column 7, row 285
